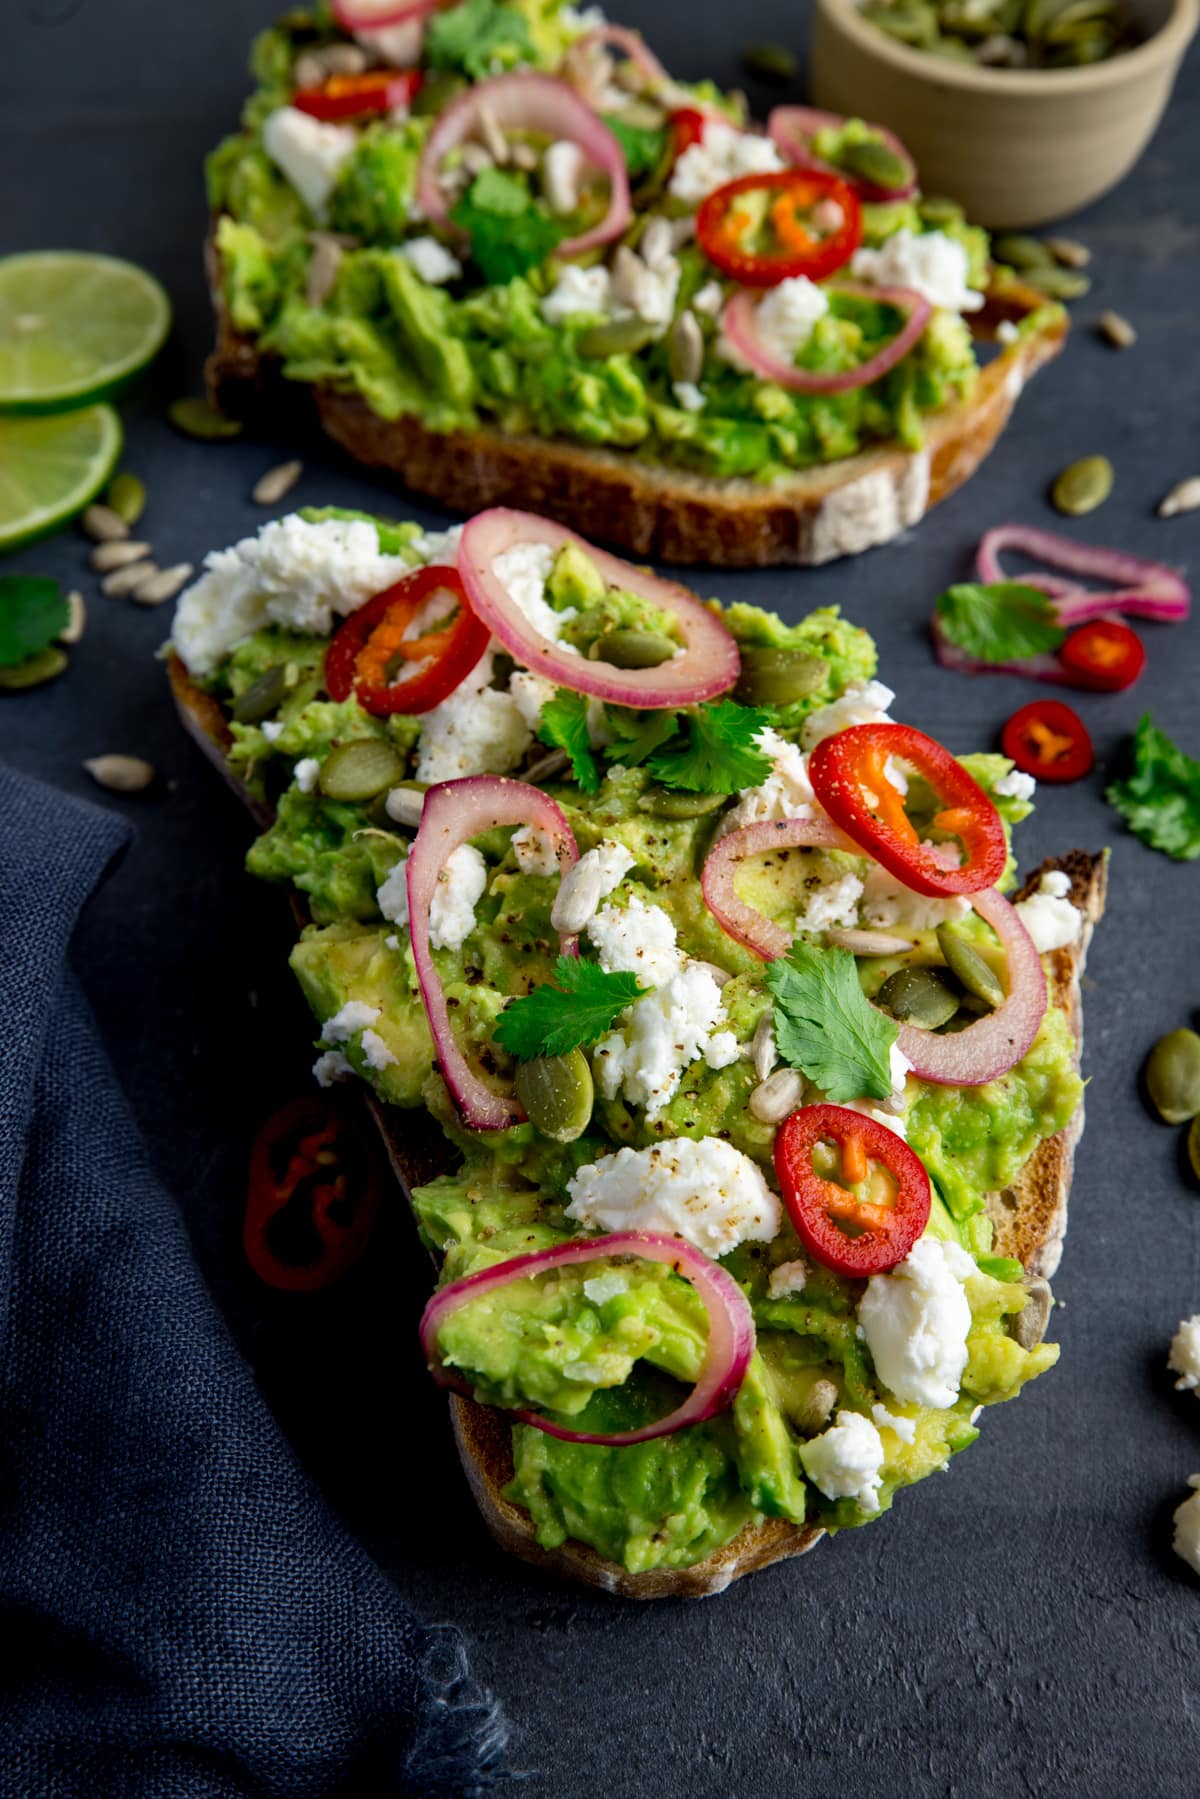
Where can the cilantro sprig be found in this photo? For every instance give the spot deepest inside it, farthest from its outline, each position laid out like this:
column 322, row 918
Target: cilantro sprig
column 576, row 1010
column 826, row 1027
column 714, row 750
column 469, row 38
column 1001, row 622
column 563, row 725
column 1159, row 798
column 509, row 232
column 33, row 612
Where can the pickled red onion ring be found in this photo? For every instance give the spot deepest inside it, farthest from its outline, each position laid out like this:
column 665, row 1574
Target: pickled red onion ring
column 740, row 324
column 1143, row 589
column 736, row 917
column 792, row 129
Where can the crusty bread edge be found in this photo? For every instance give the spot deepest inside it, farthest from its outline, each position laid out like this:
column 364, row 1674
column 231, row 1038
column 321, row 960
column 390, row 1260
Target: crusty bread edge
column 1030, row 1218
column 668, row 514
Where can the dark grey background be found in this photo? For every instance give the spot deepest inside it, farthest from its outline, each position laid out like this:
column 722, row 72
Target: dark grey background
column 1018, row 1626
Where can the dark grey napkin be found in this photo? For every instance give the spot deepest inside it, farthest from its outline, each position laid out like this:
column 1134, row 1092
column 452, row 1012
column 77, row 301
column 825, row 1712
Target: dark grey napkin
column 181, row 1614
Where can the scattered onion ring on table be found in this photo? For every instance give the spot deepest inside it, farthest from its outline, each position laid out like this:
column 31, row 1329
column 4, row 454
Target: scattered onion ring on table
column 453, row 813
column 736, row 917
column 730, row 1325
column 1143, row 589
column 740, row 324
column 529, row 102
column 792, row 129
column 710, row 664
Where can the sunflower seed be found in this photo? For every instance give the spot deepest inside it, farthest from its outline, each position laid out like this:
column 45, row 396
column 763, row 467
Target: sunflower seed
column 817, row 1408
column 524, row 156
column 270, row 488
column 126, row 497
column 308, row 70
column 1028, row 1326
column 123, row 580
column 685, row 349
column 475, row 159
column 547, row 767
column 494, row 139
column 404, row 805
column 120, row 774
column 1184, row 497
column 775, row 1097
column 107, row 556
column 103, row 525
column 72, row 631
column 656, row 242
column 1083, row 485
column 868, row 943
column 1069, row 251
column 763, row 1052
column 323, row 268
column 162, row 584
column 579, row 894
column 1119, row 332
column 344, row 59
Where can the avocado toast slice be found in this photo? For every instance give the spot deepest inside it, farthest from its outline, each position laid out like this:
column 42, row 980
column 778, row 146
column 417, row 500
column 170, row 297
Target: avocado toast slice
column 710, row 1502
column 463, row 343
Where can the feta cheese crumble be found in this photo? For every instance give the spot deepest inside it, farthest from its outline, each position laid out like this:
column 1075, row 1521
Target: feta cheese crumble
column 330, row 1067
column 562, row 173
column 272, row 729
column 354, row 1016
column 786, row 317
column 905, row 1428
column 1048, row 915
column 722, row 155
column 1184, row 1359
column 661, row 1035
column 786, row 792
column 530, row 693
column 934, row 264
column 689, row 396
column 523, row 572
column 376, row 1051
column 392, row 895
column 308, row 153
column 915, row 1322
column 578, row 290
column 431, row 259
column 477, row 731
column 704, row 1191
column 636, row 939
column 888, row 903
column 305, row 773
column 832, row 902
column 787, row 1278
column 461, row 881
column 1016, row 785
column 861, row 705
column 1186, row 1542
column 846, row 1461
column 534, row 850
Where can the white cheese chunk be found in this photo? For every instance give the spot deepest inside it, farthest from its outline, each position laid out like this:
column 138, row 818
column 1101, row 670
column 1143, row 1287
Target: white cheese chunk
column 431, row 259
column 272, row 729
column 331, row 1066
column 376, row 1051
column 477, row 731
column 660, row 1036
column 786, row 792
column 722, row 155
column 534, row 850
column 308, row 153
column 306, row 772
column 1049, row 917
column 915, row 1322
column 354, row 1016
column 861, row 705
column 523, row 572
column 1187, row 1527
column 787, row 1278
column 689, row 396
column 888, row 903
column 1016, row 785
column 786, row 316
column 1184, row 1359
column 846, row 1461
column 562, row 176
column 934, row 264
column 636, row 939
column 704, row 1191
column 578, row 290
column 832, row 902
column 905, row 1428
column 461, row 881
column 530, row 693
column 392, row 895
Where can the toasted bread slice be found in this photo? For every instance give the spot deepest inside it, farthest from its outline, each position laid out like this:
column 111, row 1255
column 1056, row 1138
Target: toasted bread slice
column 667, row 514
column 1030, row 1219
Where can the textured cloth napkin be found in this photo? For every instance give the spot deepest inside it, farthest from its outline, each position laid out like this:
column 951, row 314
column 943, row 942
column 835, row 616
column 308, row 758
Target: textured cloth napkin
column 181, row 1614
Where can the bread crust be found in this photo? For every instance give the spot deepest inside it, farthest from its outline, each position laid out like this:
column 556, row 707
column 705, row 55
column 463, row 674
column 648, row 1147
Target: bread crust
column 1030, row 1219
column 670, row 515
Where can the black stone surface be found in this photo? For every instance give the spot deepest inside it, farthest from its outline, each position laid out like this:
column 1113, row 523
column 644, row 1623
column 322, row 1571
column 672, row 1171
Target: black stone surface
column 1018, row 1626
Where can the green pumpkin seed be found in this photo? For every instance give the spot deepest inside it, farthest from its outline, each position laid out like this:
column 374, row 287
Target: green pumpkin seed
column 874, row 161
column 126, row 497
column 360, row 770
column 557, row 1094
column 196, row 418
column 769, row 62
column 617, row 338
column 952, row 49
column 633, row 649
column 261, row 698
column 919, row 996
column 779, row 677
column 969, row 967
column 1193, row 1147
column 908, row 21
column 936, row 210
column 1022, row 252
column 35, row 671
column 1057, row 283
column 1083, row 485
column 1173, row 1076
column 672, row 802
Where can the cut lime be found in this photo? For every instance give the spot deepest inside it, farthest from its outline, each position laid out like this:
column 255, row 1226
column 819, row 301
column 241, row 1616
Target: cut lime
column 73, row 326
column 51, row 467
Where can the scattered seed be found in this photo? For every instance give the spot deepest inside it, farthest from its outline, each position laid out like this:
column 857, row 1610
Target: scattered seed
column 494, row 139
column 817, row 1409
column 35, row 671
column 120, row 774
column 126, row 497
column 524, row 156
column 868, row 943
column 1117, row 329
column 404, row 806
column 308, row 70
column 195, row 417
column 656, row 242
column 1083, row 485
column 1028, row 1326
column 73, row 630
column 323, row 268
column 1183, row 497
column 270, row 488
column 344, row 59
column 122, row 581
column 769, row 62
column 1058, row 283
column 763, row 1052
column 1069, row 251
column 547, row 767
column 1021, row 251
column 107, row 556
column 162, row 585
column 475, row 159
column 577, row 898
column 685, row 348
column 103, row 525
column 774, row 1098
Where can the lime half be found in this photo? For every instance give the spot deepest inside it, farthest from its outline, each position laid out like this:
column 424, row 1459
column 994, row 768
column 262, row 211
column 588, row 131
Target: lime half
column 51, row 467
column 73, row 326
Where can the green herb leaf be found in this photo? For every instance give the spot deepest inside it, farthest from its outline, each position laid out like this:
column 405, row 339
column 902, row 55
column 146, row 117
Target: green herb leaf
column 826, row 1026
column 1004, row 622
column 505, row 245
column 33, row 610
column 716, row 752
column 563, row 725
column 637, row 735
column 496, row 192
column 643, row 146
column 474, row 35
column 1160, row 798
column 1001, row 1268
column 578, row 1009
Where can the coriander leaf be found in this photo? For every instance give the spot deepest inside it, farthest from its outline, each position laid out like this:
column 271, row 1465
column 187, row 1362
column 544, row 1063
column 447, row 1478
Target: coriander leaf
column 505, row 246
column 826, row 1026
column 718, row 753
column 637, row 735
column 1160, row 798
column 496, row 192
column 642, row 146
column 579, row 1008
column 1004, row 622
column 563, row 725
column 472, row 36
column 33, row 611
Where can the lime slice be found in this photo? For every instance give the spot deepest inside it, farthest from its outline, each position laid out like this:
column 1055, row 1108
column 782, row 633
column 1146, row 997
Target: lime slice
column 73, row 326
column 51, row 467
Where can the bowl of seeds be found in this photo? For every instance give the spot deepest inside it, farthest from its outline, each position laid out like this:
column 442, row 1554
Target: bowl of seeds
column 1022, row 110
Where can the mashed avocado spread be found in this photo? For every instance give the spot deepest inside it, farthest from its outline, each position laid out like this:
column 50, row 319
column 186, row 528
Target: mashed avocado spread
column 329, row 262
column 837, row 1410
